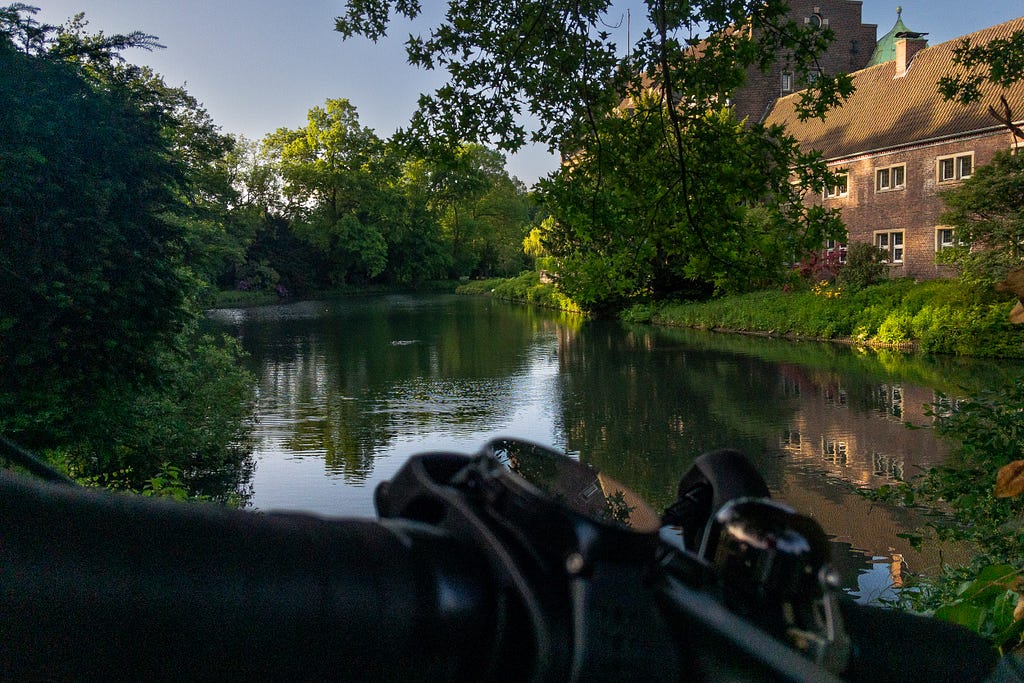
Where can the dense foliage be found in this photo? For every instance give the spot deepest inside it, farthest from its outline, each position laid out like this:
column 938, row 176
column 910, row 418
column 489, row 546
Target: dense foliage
column 663, row 190
column 333, row 205
column 105, row 195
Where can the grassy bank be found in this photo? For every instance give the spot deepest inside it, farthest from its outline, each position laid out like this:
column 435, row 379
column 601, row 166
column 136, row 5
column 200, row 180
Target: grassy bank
column 939, row 316
column 526, row 288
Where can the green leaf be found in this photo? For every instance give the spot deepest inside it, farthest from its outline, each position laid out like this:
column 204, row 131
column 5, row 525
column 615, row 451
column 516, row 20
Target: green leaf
column 962, row 613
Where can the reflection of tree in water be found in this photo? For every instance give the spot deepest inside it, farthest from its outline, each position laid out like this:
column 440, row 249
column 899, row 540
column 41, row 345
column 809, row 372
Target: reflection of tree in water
column 350, row 377
column 231, row 483
column 642, row 410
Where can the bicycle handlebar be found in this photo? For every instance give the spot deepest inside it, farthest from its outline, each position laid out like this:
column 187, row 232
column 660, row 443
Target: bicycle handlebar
column 108, row 587
column 103, row 586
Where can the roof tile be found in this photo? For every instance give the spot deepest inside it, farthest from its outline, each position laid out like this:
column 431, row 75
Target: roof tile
column 887, row 112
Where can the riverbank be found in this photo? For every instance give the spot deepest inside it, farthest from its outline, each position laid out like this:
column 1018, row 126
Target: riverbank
column 938, row 316
column 235, row 298
column 941, row 316
column 526, row 288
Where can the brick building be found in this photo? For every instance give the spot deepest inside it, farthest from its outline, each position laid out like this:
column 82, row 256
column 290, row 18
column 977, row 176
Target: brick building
column 898, row 144
column 852, row 49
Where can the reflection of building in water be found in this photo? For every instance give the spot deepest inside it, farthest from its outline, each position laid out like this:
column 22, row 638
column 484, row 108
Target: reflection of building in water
column 896, row 570
column 857, row 435
column 860, row 437
column 853, row 519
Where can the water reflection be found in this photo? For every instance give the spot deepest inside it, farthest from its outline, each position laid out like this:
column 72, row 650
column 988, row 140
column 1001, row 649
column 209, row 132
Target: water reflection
column 349, row 389
column 357, row 386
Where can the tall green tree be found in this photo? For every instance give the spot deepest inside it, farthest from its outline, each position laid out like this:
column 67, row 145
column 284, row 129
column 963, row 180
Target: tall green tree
column 88, row 253
column 483, row 211
column 459, row 177
column 99, row 348
column 335, row 175
column 551, row 72
column 622, row 232
column 417, row 250
column 505, row 215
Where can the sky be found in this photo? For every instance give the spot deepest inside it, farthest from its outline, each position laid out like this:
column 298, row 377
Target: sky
column 259, row 65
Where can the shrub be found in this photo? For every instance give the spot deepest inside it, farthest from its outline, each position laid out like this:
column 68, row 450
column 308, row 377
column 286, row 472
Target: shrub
column 865, row 266
column 897, row 328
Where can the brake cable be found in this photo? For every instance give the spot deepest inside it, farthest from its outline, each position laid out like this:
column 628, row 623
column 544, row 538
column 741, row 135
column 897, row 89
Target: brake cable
column 17, row 455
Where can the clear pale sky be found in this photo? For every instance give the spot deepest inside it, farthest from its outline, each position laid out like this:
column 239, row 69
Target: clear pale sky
column 258, row 65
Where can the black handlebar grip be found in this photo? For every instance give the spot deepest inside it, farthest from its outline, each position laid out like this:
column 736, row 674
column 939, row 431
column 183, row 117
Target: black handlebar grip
column 103, row 586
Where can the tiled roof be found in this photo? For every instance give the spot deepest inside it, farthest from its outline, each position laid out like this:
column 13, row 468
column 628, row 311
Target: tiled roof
column 887, row 112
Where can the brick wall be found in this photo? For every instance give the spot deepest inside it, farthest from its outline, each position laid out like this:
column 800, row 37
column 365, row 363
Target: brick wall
column 914, row 209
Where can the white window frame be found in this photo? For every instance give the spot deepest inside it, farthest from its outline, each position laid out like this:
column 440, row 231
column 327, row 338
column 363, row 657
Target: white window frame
column 956, row 171
column 834, row 247
column 886, row 240
column 840, row 189
column 890, row 173
column 787, row 81
column 941, row 243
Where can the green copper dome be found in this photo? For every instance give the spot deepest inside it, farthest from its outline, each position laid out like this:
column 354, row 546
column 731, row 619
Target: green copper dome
column 885, row 48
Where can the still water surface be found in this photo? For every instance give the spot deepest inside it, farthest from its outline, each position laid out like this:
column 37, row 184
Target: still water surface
column 350, row 388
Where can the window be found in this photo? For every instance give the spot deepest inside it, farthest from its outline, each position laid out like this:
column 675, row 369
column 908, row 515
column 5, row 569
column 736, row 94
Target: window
column 890, row 178
column 840, row 188
column 956, row 167
column 891, row 242
column 944, row 238
column 787, row 82
column 835, row 250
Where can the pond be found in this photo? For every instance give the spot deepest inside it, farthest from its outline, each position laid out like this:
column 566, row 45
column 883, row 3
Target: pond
column 350, row 388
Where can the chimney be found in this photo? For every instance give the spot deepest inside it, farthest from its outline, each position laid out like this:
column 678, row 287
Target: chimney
column 907, row 45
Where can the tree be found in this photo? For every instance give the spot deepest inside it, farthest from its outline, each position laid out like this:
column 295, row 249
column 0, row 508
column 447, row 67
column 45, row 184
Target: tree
column 416, row 248
column 459, row 176
column 87, row 253
column 99, row 344
column 335, row 174
column 504, row 215
column 482, row 210
column 987, row 211
column 627, row 226
column 550, row 72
